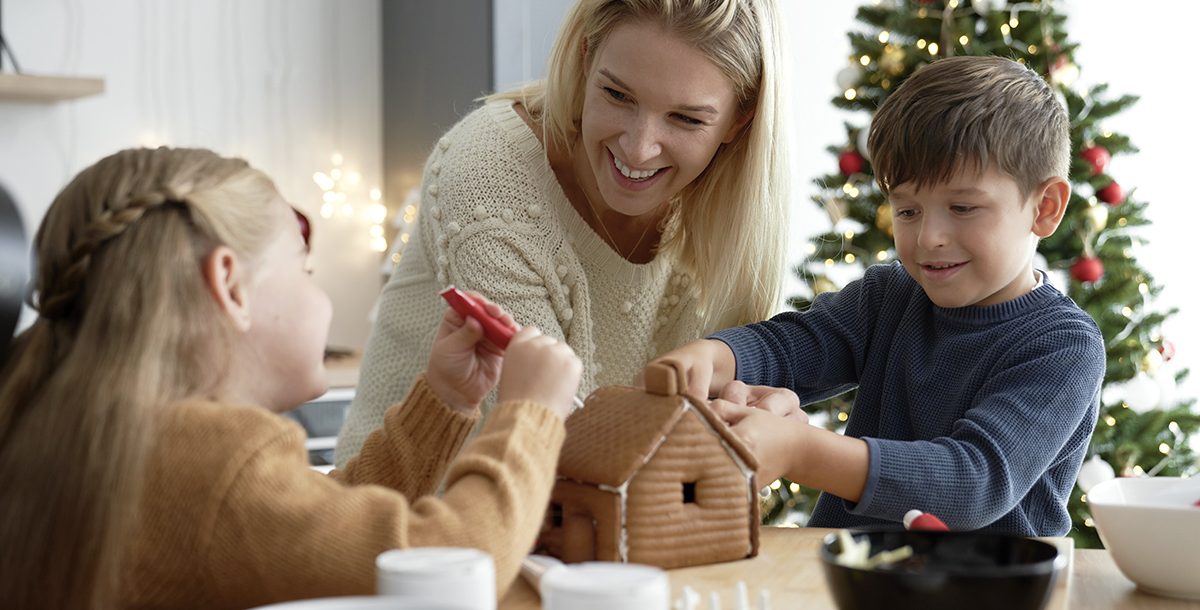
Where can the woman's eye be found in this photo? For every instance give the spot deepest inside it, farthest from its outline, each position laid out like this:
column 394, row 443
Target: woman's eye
column 616, row 95
column 689, row 120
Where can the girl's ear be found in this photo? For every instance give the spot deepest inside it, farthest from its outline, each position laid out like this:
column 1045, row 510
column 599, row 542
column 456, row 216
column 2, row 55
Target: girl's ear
column 1051, row 199
column 225, row 277
column 737, row 127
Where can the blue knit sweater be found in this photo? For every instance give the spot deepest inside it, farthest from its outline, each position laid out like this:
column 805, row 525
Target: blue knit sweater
column 979, row 415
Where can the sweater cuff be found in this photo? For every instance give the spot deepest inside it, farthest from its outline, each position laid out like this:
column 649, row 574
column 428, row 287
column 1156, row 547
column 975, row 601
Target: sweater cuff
column 867, row 499
column 741, row 341
column 535, row 422
column 422, row 415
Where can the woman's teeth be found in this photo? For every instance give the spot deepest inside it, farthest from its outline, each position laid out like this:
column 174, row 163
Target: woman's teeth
column 633, row 174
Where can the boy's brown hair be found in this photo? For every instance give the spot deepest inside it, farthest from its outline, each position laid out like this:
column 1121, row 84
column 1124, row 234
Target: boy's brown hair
column 970, row 112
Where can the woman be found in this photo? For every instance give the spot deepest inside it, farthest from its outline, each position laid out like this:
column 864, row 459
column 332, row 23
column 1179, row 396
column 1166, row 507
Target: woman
column 633, row 201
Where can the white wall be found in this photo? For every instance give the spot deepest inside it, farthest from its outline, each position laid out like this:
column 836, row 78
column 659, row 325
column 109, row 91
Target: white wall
column 523, row 32
column 282, row 83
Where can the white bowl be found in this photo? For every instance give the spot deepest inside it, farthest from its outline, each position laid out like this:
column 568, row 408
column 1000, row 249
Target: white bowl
column 1152, row 528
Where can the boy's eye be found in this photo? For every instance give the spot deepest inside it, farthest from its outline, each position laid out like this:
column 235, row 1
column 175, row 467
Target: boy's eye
column 616, row 95
column 963, row 209
column 904, row 213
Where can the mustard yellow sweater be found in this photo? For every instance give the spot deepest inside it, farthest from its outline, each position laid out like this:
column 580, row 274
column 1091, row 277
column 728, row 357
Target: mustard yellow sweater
column 233, row 516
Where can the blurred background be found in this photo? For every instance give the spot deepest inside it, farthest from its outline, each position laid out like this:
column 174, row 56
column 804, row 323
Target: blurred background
column 340, row 102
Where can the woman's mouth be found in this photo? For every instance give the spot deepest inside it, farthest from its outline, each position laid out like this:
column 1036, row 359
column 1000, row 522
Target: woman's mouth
column 635, row 179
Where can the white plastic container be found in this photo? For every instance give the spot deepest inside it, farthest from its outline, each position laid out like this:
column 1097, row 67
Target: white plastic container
column 601, row 585
column 443, row 577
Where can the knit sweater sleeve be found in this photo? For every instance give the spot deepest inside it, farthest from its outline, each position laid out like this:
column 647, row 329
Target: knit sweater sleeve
column 818, row 352
column 491, row 218
column 410, row 452
column 282, row 531
column 1021, row 424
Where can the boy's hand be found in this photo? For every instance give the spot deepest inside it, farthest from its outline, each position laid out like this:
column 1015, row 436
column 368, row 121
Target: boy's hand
column 708, row 365
column 774, row 440
column 540, row 369
column 780, row 401
column 463, row 366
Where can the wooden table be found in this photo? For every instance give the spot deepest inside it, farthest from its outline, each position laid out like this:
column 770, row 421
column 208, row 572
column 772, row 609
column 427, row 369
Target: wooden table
column 787, row 565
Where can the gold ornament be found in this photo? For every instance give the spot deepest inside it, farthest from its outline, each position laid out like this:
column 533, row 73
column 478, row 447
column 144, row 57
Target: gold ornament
column 837, row 209
column 883, row 218
column 1097, row 217
column 892, row 60
column 1152, row 362
column 822, row 285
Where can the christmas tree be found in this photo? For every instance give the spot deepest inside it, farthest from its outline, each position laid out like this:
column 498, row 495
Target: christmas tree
column 1143, row 428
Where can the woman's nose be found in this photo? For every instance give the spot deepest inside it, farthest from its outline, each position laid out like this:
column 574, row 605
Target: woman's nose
column 640, row 142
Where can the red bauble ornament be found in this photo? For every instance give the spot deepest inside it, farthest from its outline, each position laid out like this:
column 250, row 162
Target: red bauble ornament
column 850, row 162
column 1167, row 349
column 1098, row 156
column 1087, row 269
column 1111, row 194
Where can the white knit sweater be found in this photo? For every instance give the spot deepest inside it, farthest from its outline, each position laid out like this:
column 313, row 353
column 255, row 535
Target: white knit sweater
column 495, row 220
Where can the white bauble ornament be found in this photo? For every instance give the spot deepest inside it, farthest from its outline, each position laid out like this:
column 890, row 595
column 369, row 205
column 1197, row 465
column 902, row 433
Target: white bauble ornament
column 849, row 77
column 1094, row 472
column 982, row 7
column 1112, row 394
column 1142, row 393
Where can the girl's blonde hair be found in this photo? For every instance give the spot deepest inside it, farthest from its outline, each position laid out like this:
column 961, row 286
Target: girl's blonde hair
column 126, row 326
column 728, row 227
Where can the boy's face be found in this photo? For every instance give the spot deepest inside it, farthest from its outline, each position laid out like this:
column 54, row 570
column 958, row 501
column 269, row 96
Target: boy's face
column 969, row 240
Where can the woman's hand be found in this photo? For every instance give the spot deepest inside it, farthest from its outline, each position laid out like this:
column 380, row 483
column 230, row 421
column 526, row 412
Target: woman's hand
column 463, row 366
column 540, row 369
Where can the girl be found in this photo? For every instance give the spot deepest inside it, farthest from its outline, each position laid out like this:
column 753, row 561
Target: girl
column 632, row 202
column 141, row 463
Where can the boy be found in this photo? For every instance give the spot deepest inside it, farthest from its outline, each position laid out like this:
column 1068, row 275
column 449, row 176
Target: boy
column 978, row 383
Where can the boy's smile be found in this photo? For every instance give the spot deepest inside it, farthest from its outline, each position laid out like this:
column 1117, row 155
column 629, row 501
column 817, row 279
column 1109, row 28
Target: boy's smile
column 969, row 240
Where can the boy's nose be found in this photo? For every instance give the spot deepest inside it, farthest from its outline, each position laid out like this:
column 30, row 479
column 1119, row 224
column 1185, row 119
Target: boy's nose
column 640, row 143
column 932, row 234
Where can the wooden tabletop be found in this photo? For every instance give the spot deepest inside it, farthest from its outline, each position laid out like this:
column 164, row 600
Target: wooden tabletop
column 789, row 568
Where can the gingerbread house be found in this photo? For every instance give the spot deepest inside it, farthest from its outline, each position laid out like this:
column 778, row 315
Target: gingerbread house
column 653, row 477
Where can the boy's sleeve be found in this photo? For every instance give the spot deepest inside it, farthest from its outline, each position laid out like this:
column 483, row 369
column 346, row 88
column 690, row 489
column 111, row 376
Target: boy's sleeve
column 1036, row 411
column 818, row 352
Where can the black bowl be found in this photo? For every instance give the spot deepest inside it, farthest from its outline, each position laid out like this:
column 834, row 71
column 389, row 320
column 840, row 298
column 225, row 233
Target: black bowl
column 948, row 570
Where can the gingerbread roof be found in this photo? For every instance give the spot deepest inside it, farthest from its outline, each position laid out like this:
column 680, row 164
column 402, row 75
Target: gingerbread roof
column 619, row 428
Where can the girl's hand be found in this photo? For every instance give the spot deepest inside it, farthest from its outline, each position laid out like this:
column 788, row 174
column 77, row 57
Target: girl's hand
column 463, row 366
column 540, row 369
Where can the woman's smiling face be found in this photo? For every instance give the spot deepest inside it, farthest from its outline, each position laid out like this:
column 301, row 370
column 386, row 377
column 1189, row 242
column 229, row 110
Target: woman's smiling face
column 655, row 112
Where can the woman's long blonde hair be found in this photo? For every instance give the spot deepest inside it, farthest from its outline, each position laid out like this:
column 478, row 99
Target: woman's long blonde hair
column 125, row 327
column 729, row 225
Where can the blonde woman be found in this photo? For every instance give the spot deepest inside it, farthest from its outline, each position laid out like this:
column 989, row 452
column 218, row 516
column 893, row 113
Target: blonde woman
column 142, row 461
column 632, row 202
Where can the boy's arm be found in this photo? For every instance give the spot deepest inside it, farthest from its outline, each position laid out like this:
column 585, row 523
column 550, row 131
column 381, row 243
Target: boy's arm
column 1036, row 412
column 811, row 352
column 790, row 447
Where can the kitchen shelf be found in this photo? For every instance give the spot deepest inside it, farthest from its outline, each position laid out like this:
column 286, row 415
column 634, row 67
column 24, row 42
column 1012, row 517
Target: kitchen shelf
column 31, row 88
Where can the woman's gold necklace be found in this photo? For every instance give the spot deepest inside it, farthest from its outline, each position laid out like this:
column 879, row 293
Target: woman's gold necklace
column 600, row 221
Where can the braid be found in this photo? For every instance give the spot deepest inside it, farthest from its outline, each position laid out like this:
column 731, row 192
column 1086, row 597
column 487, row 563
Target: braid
column 58, row 301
